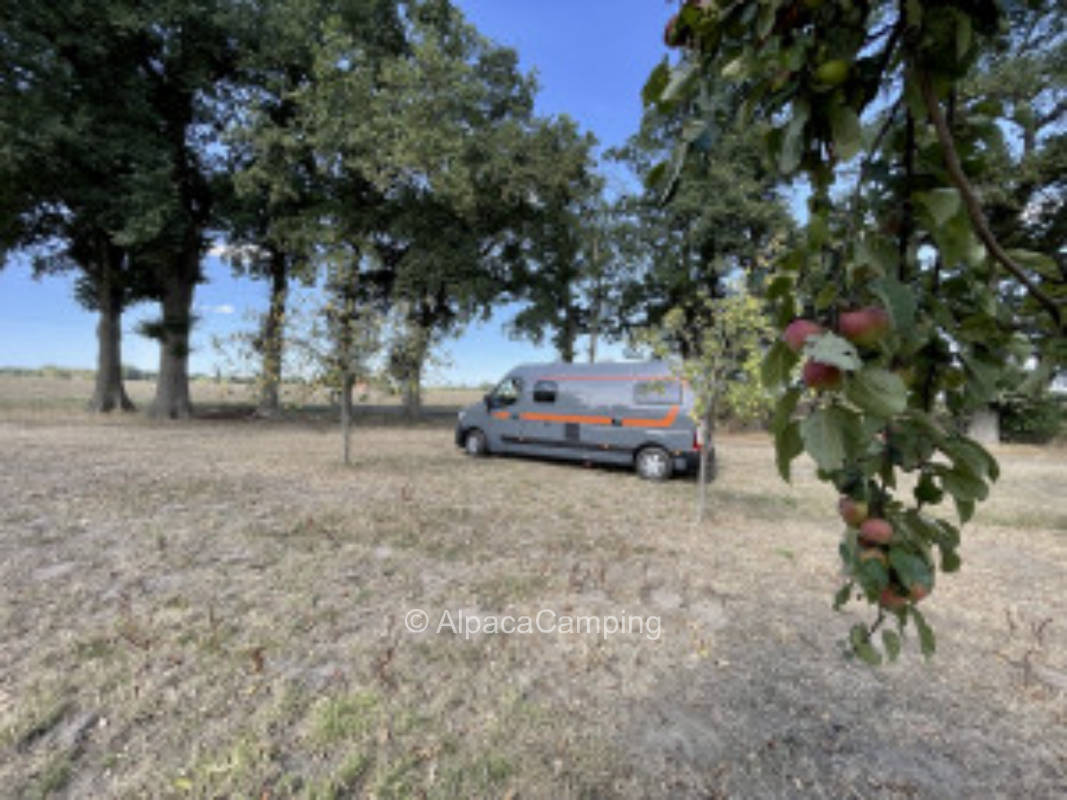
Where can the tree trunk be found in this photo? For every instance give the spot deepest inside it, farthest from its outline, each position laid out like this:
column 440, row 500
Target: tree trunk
column 594, row 310
column 705, row 435
column 172, row 386
column 984, row 426
column 347, row 381
column 567, row 335
column 413, row 388
column 109, row 392
column 273, row 337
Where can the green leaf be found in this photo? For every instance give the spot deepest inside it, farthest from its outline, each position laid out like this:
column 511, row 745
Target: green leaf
column 833, row 349
column 681, row 150
column 735, row 68
column 656, row 83
column 1038, row 262
column 891, row 640
column 914, row 10
column 845, row 127
column 898, row 300
column 969, row 456
column 920, row 527
column 877, row 391
column 826, row 296
column 926, row 634
column 766, row 21
column 777, row 364
column 794, row 260
column 679, row 78
column 656, row 175
column 912, row 569
column 818, row 231
column 887, row 473
column 873, row 577
column 793, row 141
column 965, row 509
column 963, row 34
column 861, row 645
column 981, row 378
column 950, row 560
column 779, row 287
column 949, row 534
column 877, row 252
column 829, row 436
column 926, row 424
column 783, row 410
column 788, row 444
column 956, row 240
column 693, row 129
column 842, row 596
column 964, row 486
column 927, row 491
column 942, row 204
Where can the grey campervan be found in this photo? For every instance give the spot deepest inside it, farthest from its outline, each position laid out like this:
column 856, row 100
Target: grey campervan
column 630, row 413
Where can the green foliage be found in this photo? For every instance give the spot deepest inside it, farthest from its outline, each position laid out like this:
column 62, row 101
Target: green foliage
column 573, row 279
column 907, row 241
column 724, row 358
column 1033, row 420
column 438, row 178
column 709, row 208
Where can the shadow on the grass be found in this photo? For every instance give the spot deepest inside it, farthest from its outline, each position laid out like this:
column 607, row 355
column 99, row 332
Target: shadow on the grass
column 319, row 416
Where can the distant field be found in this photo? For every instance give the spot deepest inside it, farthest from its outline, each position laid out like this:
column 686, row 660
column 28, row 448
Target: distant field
column 216, row 608
column 40, row 394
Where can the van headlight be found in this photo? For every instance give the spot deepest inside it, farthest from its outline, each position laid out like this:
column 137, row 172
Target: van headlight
column 460, row 415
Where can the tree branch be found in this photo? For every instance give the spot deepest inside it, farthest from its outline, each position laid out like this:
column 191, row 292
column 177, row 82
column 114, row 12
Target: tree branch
column 1057, row 111
column 974, row 207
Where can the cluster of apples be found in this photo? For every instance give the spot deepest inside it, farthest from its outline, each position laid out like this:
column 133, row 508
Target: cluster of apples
column 875, row 535
column 864, row 326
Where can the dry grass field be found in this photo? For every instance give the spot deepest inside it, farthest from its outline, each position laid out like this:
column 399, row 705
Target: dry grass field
column 216, row 608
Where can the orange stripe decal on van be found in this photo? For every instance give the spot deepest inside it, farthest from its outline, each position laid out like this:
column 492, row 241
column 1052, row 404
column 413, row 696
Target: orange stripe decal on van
column 662, row 422
column 501, row 414
column 537, row 416
column 582, row 378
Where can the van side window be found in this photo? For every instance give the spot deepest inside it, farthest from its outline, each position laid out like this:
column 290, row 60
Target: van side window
column 544, row 392
column 667, row 392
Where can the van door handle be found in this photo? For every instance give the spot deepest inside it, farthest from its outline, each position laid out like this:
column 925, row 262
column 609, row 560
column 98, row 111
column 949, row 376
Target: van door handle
column 616, row 422
column 514, row 415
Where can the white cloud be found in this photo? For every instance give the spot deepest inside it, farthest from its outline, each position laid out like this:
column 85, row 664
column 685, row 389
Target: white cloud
column 222, row 308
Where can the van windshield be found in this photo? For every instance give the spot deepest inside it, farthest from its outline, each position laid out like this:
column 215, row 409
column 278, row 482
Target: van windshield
column 506, row 392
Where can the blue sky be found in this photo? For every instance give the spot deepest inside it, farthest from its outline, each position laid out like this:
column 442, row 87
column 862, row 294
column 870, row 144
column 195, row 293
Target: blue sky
column 591, row 59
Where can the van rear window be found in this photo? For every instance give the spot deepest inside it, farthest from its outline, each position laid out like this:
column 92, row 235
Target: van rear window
column 658, row 393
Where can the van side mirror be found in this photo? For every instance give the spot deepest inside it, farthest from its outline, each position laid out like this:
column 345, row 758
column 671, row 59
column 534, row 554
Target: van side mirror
column 487, row 398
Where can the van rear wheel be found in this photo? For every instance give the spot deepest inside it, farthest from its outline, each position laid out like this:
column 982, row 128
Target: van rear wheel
column 476, row 444
column 653, row 464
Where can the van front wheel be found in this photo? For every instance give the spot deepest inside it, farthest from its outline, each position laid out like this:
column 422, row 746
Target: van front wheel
column 653, row 464
column 476, row 444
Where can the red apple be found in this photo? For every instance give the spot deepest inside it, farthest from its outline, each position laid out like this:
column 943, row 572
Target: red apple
column 876, row 531
column 798, row 332
column 853, row 512
column 865, row 326
column 919, row 591
column 672, row 37
column 891, row 600
column 821, row 376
